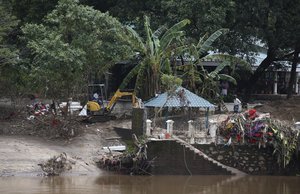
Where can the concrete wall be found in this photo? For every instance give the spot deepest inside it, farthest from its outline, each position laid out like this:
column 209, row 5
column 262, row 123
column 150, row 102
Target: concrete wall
column 248, row 158
column 172, row 158
column 138, row 121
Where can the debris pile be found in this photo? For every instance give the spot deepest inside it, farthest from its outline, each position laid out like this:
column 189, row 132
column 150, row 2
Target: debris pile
column 135, row 163
column 52, row 120
column 253, row 128
column 56, row 165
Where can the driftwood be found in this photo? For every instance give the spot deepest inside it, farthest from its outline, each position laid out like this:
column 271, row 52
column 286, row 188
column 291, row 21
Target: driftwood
column 56, row 165
column 135, row 163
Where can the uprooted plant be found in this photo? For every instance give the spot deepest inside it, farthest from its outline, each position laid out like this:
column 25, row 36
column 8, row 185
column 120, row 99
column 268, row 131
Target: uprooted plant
column 134, row 162
column 56, row 165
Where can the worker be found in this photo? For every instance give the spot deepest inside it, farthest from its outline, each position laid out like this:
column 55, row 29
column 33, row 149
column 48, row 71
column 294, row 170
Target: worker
column 236, row 104
column 97, row 99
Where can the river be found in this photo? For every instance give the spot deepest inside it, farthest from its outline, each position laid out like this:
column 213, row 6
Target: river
column 115, row 184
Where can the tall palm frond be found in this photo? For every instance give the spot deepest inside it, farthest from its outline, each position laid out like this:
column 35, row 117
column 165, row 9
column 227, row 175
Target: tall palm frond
column 208, row 42
column 135, row 40
column 228, row 78
column 164, row 43
column 130, row 75
column 201, row 40
column 175, row 28
column 161, row 30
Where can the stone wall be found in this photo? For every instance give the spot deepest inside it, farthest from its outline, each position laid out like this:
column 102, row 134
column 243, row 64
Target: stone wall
column 172, row 158
column 247, row 158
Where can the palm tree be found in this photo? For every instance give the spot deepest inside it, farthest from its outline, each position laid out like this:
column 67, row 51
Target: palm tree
column 155, row 51
column 200, row 80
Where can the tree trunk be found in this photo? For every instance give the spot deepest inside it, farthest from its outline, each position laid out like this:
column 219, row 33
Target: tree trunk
column 293, row 73
column 258, row 73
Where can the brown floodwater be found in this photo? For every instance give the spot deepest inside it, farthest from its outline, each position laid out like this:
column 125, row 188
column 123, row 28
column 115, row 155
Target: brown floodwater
column 113, row 184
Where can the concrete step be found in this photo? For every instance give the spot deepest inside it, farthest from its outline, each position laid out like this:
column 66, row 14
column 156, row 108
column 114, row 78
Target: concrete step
column 188, row 146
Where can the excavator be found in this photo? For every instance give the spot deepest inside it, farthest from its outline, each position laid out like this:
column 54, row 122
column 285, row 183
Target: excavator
column 100, row 110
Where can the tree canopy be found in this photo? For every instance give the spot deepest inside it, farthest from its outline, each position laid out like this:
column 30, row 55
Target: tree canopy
column 8, row 50
column 73, row 43
column 70, row 41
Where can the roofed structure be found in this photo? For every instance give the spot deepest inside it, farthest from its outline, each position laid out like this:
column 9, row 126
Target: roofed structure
column 181, row 98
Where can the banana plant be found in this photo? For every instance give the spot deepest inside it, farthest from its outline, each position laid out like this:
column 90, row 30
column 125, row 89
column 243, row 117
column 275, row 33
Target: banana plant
column 155, row 51
column 196, row 75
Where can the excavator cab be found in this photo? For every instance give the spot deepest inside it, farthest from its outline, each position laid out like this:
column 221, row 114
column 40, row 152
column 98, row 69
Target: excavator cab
column 99, row 106
column 96, row 98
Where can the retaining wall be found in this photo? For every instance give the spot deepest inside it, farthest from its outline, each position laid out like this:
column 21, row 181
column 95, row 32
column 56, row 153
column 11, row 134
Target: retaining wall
column 172, row 158
column 248, row 159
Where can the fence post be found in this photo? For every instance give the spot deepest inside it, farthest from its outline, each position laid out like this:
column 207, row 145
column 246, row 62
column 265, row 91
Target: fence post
column 148, row 127
column 191, row 132
column 170, row 126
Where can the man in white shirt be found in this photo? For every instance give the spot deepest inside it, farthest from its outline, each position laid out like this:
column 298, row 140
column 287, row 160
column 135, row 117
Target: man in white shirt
column 236, row 104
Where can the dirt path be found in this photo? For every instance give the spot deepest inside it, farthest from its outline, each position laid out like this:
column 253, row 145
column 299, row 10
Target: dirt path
column 19, row 155
column 288, row 110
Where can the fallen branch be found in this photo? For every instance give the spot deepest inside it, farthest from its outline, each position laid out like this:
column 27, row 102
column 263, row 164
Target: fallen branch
column 56, row 165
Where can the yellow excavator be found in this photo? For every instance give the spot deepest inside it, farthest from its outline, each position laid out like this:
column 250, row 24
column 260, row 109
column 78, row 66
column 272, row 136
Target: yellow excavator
column 94, row 106
column 99, row 110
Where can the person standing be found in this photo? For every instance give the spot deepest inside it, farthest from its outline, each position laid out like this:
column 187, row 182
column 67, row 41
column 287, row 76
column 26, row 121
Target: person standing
column 236, row 104
column 224, row 87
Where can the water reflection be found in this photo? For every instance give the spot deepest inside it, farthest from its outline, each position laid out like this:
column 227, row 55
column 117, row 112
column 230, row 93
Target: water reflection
column 151, row 185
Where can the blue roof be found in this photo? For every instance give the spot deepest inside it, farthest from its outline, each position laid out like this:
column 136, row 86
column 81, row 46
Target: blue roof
column 182, row 98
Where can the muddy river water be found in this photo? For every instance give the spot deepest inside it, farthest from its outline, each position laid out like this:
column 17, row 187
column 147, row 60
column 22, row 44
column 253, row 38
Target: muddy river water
column 114, row 184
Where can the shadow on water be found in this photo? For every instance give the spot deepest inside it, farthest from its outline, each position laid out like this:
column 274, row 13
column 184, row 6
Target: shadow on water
column 151, row 185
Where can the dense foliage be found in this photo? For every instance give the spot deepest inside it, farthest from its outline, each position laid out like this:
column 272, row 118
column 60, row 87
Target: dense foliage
column 8, row 50
column 155, row 52
column 73, row 43
column 80, row 40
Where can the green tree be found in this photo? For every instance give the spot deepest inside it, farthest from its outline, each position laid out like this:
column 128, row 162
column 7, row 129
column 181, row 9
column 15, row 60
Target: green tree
column 74, row 42
column 270, row 23
column 32, row 10
column 8, row 51
column 292, row 23
column 131, row 12
column 155, row 52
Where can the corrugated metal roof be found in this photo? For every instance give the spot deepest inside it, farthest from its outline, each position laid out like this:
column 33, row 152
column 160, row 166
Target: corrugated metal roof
column 182, row 98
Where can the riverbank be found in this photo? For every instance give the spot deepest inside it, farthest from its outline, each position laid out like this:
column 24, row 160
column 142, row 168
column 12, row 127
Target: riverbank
column 23, row 147
column 21, row 154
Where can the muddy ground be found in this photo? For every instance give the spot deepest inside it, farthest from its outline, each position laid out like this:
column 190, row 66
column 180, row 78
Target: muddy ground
column 288, row 110
column 23, row 145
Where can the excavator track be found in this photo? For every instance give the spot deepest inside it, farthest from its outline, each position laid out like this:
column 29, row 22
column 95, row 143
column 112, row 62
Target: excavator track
column 99, row 118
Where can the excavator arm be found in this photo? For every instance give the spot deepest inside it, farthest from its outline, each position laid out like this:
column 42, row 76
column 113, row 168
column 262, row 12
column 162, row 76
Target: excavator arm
column 119, row 94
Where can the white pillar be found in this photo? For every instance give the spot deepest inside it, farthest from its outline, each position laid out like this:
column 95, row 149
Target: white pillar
column 297, row 84
column 69, row 104
column 275, row 83
column 212, row 128
column 191, row 132
column 191, row 128
column 170, row 126
column 148, row 127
